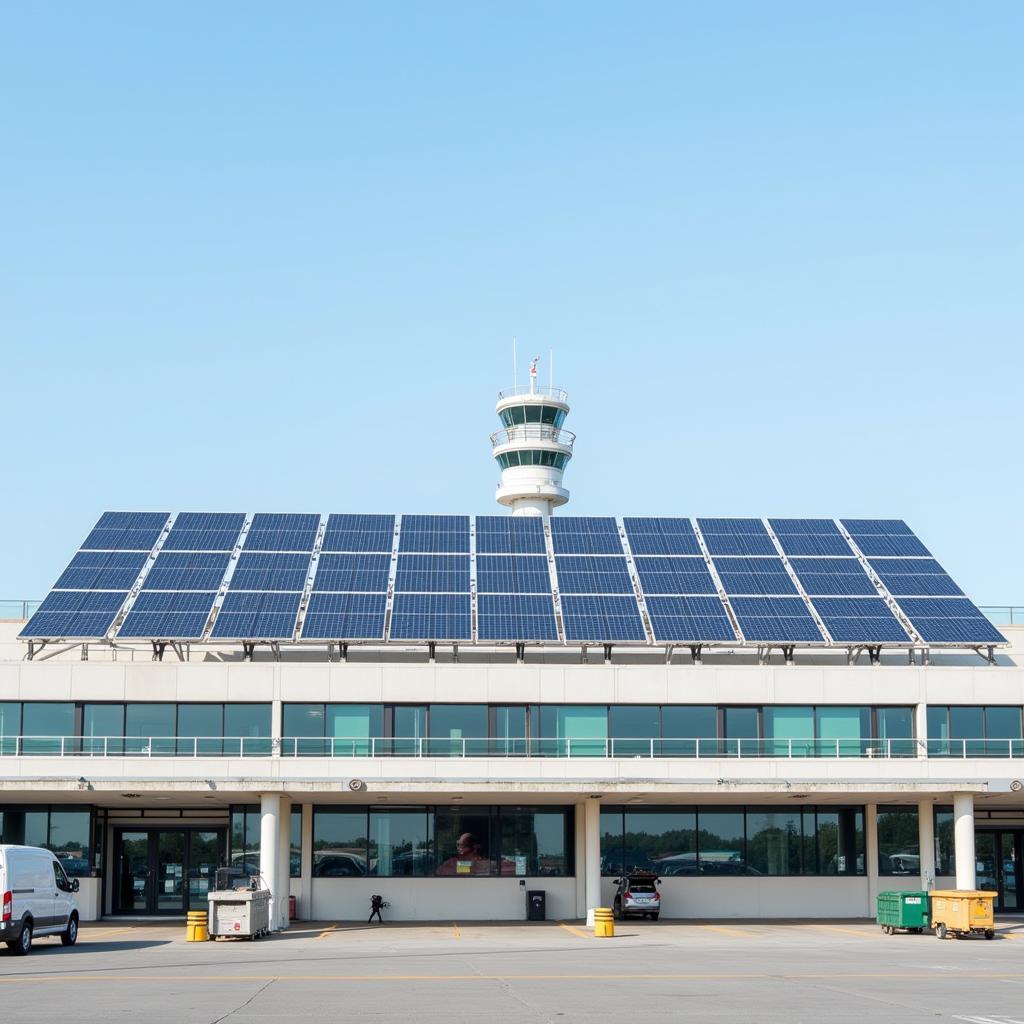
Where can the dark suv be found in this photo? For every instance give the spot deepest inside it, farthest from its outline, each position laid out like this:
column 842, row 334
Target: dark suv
column 637, row 893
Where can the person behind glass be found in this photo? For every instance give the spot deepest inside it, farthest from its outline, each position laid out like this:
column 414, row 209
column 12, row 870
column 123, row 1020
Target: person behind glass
column 376, row 902
column 468, row 859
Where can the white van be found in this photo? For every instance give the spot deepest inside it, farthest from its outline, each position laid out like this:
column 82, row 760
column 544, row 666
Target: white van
column 37, row 898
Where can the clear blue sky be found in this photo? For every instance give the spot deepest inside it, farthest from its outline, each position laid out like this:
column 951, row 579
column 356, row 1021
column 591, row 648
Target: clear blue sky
column 270, row 257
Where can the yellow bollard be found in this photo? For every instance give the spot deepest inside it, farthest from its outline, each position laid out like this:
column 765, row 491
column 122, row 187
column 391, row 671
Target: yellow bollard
column 195, row 927
column 604, row 924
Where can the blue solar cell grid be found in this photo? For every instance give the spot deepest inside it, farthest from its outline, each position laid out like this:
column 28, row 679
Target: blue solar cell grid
column 661, row 536
column 950, row 620
column 810, row 537
column 126, row 531
column 434, row 534
column 75, row 613
column 168, row 616
column 431, row 617
column 783, row 620
column 880, row 537
column 754, row 576
column 344, row 572
column 357, row 533
column 674, row 575
column 860, row 620
column 205, row 531
column 586, row 574
column 602, row 619
column 257, row 616
column 585, row 535
column 511, row 535
column 345, row 617
column 102, row 570
column 512, row 574
column 264, row 570
column 516, row 617
column 915, row 577
column 833, row 577
column 689, row 620
column 274, row 531
column 187, row 570
column 736, row 537
column 425, row 574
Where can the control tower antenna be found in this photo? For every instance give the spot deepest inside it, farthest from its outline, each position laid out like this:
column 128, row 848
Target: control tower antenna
column 532, row 450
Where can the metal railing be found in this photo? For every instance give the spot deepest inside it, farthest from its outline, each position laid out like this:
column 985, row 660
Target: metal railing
column 533, row 389
column 16, row 608
column 136, row 746
column 1004, row 614
column 532, row 432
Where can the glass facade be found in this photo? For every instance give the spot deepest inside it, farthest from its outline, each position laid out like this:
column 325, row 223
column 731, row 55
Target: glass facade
column 899, row 847
column 515, row 415
column 975, row 731
column 533, row 457
column 67, row 831
column 244, row 852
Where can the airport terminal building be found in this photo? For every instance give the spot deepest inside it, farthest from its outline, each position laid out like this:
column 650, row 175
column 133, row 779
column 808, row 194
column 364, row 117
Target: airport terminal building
column 780, row 717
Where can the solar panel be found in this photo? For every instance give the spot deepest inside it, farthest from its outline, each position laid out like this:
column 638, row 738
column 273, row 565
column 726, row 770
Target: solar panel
column 877, row 537
column 158, row 615
column 516, row 617
column 257, row 616
column 810, row 537
column 345, row 617
column 689, row 620
column 585, row 535
column 860, row 620
column 126, row 531
column 421, row 574
column 193, row 570
column 276, row 531
column 915, row 577
column 434, row 534
column 602, row 619
column 265, row 570
column 75, row 613
column 754, row 576
column 783, row 620
column 102, row 570
column 674, row 575
column 358, row 533
column 344, row 572
column 512, row 574
column 833, row 577
column 950, row 620
column 205, row 531
column 513, row 535
column 586, row 574
column 431, row 617
column 661, row 536
column 736, row 537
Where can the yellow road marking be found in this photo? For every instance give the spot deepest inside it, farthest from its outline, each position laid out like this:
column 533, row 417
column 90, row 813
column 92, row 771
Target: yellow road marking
column 458, row 933
column 734, row 932
column 575, row 931
column 847, row 931
column 88, row 936
column 327, row 931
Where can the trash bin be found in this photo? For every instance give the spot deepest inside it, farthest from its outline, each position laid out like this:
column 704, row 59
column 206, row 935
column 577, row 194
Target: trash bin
column 293, row 908
column 963, row 912
column 536, row 905
column 907, row 910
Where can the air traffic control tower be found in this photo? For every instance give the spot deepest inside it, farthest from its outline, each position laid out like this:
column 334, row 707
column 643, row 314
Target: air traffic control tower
column 531, row 449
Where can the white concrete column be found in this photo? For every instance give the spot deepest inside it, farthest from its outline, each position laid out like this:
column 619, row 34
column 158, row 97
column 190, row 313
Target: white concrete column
column 276, row 726
column 921, row 729
column 871, row 854
column 592, row 854
column 926, row 842
column 306, row 900
column 581, row 862
column 284, row 856
column 963, row 840
column 270, row 845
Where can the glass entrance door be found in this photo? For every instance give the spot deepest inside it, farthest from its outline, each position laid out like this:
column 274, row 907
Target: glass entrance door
column 165, row 871
column 134, row 884
column 204, row 857
column 998, row 856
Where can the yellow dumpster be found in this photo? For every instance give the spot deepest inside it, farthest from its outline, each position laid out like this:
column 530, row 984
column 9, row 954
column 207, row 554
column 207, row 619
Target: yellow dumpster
column 195, row 926
column 604, row 925
column 962, row 912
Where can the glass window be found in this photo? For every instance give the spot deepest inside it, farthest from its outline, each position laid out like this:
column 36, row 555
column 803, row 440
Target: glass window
column 69, row 841
column 533, row 414
column 661, row 840
column 548, row 414
column 534, row 842
column 774, row 841
column 945, row 846
column 516, row 414
column 352, row 728
column 899, row 851
column 463, row 842
column 102, row 728
column 303, row 730
column 938, row 732
column 245, row 839
column 720, row 846
column 741, row 731
column 49, row 721
column 25, row 828
column 611, row 842
column 409, row 729
column 1001, row 726
column 295, row 851
column 684, row 726
column 840, row 841
column 509, row 735
column 791, row 729
column 248, row 726
column 10, row 726
column 967, row 725
column 634, row 731
column 200, row 727
column 896, row 729
column 399, row 842
column 843, row 732
column 151, row 728
column 458, row 729
column 339, row 844
column 573, row 730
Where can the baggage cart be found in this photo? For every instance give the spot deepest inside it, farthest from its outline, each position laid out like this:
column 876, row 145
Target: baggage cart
column 962, row 912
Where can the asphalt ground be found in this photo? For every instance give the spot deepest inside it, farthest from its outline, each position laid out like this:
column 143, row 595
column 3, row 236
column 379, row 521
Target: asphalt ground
column 555, row 972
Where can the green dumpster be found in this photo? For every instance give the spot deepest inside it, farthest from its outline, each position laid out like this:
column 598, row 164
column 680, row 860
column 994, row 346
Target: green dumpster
column 908, row 910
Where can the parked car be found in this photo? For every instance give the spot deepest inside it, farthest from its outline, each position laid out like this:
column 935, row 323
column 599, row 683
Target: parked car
column 37, row 898
column 637, row 893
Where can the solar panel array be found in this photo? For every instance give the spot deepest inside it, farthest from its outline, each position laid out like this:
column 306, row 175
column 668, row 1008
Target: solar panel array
column 501, row 579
